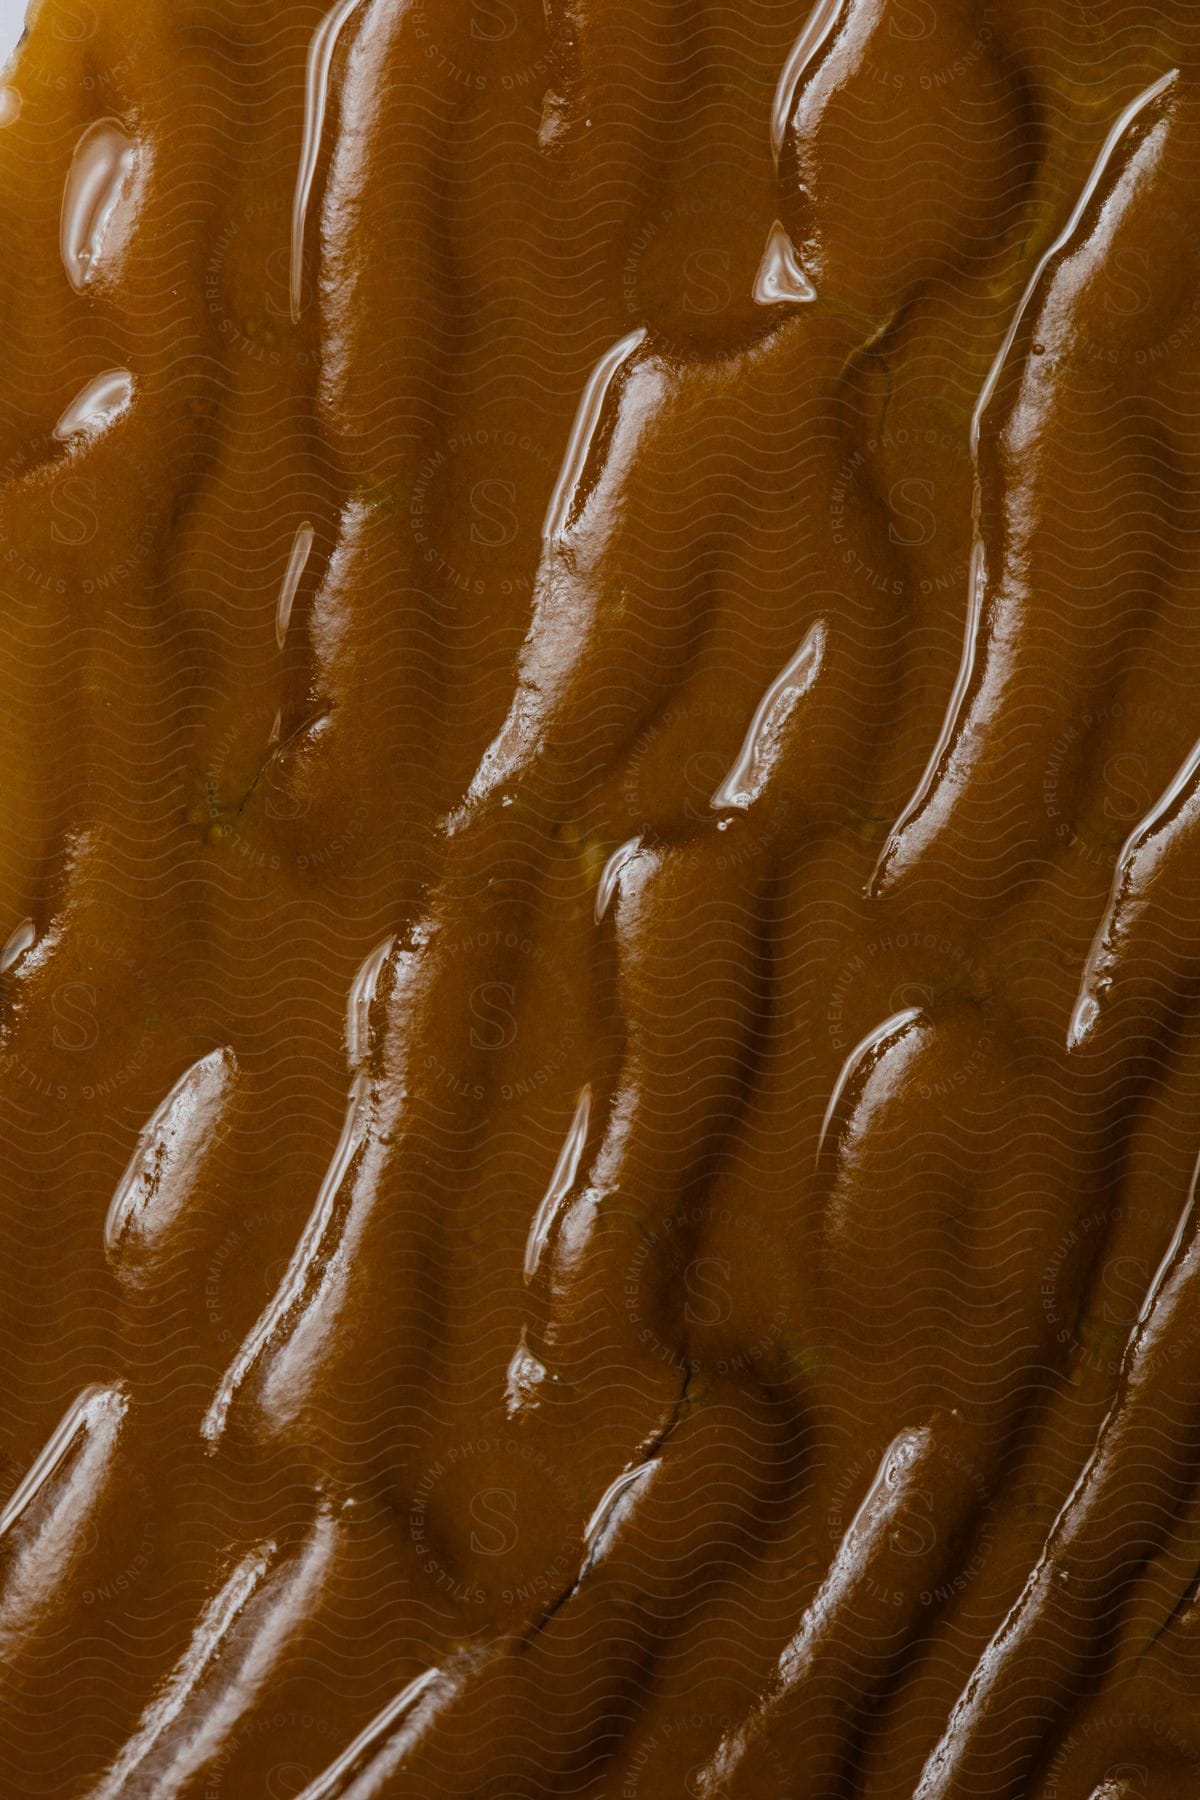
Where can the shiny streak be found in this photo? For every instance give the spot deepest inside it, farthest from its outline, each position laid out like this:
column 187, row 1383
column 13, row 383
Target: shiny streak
column 316, row 100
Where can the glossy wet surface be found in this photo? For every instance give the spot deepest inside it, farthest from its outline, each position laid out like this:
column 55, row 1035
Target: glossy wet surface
column 601, row 851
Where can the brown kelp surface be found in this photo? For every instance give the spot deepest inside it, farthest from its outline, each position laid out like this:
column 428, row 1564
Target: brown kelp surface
column 600, row 846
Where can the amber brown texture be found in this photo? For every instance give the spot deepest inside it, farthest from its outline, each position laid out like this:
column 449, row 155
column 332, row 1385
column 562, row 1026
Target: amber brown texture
column 600, row 854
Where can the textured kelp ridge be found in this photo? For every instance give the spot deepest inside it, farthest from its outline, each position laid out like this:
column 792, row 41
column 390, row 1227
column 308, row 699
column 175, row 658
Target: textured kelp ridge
column 599, row 837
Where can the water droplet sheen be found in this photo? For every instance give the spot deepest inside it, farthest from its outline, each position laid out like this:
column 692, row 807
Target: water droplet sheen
column 781, row 280
column 96, row 405
column 302, row 545
column 104, row 161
